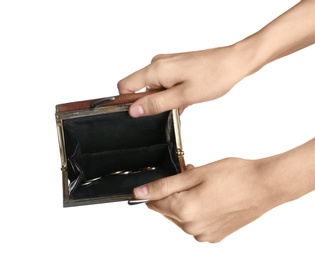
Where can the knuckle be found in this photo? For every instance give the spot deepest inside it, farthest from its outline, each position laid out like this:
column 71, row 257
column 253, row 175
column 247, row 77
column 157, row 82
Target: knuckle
column 185, row 212
column 189, row 228
column 152, row 206
column 207, row 238
column 161, row 65
column 158, row 66
column 120, row 85
column 155, row 71
column 157, row 57
column 215, row 240
column 200, row 238
column 123, row 86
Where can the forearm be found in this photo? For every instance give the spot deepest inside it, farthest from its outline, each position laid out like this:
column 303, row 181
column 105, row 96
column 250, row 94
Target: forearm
column 289, row 175
column 290, row 32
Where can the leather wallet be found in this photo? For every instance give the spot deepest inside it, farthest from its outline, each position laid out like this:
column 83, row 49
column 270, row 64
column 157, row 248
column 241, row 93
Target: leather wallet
column 105, row 153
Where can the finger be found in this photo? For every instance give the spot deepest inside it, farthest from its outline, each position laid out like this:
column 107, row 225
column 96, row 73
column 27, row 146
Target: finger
column 162, row 101
column 133, row 82
column 141, row 79
column 151, row 206
column 188, row 228
column 179, row 206
column 163, row 56
column 164, row 206
column 176, row 222
column 165, row 187
column 181, row 110
column 189, row 167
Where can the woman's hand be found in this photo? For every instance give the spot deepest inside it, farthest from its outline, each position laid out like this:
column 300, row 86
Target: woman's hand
column 213, row 201
column 187, row 78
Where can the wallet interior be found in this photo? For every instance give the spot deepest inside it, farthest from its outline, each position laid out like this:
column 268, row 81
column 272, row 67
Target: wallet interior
column 110, row 154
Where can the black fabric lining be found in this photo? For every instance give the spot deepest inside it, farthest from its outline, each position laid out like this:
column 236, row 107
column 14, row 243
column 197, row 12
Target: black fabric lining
column 104, row 163
column 99, row 145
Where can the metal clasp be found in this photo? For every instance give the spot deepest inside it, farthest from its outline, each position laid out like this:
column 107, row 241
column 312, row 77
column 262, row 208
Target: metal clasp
column 102, row 101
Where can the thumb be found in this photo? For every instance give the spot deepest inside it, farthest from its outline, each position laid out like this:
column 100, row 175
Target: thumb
column 159, row 102
column 165, row 187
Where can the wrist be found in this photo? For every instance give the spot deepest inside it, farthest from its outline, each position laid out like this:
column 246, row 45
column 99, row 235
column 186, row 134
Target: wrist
column 290, row 32
column 251, row 57
column 288, row 176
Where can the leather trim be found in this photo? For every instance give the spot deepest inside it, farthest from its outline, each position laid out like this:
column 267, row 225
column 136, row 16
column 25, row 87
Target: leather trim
column 87, row 104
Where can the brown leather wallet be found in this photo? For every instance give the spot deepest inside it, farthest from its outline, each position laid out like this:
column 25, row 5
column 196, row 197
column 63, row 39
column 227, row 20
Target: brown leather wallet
column 105, row 153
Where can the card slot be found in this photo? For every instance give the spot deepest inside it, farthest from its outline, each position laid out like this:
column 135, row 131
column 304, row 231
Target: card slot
column 113, row 131
column 93, row 165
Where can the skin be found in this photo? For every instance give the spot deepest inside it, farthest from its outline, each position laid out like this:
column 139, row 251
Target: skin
column 212, row 201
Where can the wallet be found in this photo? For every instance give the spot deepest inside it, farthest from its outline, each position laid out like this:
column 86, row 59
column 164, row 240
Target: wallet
column 105, row 153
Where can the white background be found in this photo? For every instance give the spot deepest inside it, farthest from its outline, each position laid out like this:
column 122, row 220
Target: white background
column 53, row 52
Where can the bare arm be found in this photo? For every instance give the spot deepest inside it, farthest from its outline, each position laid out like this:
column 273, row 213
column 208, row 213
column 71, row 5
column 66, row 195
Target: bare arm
column 290, row 32
column 200, row 76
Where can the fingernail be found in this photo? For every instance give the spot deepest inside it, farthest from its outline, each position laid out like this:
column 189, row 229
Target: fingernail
column 141, row 192
column 137, row 111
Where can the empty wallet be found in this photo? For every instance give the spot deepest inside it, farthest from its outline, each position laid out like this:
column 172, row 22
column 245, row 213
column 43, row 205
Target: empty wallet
column 105, row 153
